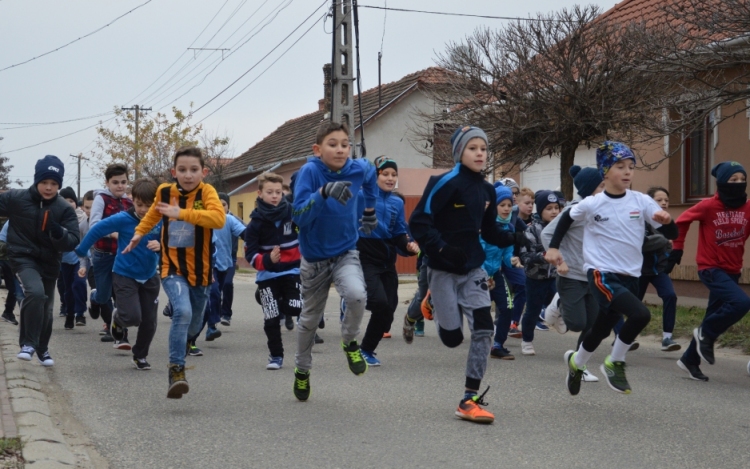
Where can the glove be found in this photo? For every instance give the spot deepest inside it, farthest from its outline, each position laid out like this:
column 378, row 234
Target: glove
column 675, row 257
column 454, row 256
column 339, row 190
column 521, row 239
column 54, row 229
column 369, row 221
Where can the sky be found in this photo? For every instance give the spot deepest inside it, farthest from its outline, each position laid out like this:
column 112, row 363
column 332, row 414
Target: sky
column 143, row 58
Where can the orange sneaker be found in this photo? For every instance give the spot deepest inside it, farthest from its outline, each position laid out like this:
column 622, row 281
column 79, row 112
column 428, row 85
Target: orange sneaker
column 386, row 335
column 427, row 306
column 470, row 410
column 514, row 332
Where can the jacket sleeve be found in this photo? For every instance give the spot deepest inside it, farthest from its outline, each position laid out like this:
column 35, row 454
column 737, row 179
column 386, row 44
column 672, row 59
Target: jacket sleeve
column 103, row 228
column 253, row 255
column 694, row 213
column 491, row 230
column 212, row 216
column 654, row 242
column 370, row 184
column 5, row 204
column 533, row 253
column 422, row 223
column 308, row 202
column 549, row 230
column 237, row 227
column 97, row 210
column 152, row 217
column 71, row 238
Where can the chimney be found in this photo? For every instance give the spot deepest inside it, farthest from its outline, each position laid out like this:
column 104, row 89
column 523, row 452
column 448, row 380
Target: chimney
column 325, row 103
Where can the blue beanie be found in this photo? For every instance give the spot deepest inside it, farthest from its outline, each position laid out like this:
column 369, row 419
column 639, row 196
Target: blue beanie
column 544, row 198
column 586, row 180
column 49, row 167
column 503, row 193
column 723, row 171
column 610, row 153
column 461, row 137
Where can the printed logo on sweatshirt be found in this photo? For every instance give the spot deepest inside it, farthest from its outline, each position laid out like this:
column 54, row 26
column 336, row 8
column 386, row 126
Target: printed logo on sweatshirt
column 181, row 235
column 287, row 228
column 600, row 218
column 459, row 205
column 198, row 205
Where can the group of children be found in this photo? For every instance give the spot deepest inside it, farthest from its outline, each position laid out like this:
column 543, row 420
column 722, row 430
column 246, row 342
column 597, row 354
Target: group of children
column 343, row 225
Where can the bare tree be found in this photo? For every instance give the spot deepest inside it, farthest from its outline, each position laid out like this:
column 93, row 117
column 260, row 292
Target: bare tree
column 5, row 169
column 217, row 154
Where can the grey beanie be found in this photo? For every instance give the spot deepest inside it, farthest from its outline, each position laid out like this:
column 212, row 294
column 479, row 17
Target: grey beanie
column 461, row 137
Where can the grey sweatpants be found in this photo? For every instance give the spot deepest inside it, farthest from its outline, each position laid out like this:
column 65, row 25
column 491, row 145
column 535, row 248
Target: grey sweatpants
column 345, row 272
column 455, row 296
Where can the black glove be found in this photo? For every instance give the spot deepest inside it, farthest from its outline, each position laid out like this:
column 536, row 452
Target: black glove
column 521, row 239
column 675, row 258
column 369, row 221
column 454, row 256
column 339, row 190
column 54, row 229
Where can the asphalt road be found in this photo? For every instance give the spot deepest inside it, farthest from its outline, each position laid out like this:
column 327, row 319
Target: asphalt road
column 401, row 414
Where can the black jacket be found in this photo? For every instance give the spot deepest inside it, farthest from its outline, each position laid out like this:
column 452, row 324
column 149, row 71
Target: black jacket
column 262, row 235
column 454, row 210
column 656, row 250
column 27, row 243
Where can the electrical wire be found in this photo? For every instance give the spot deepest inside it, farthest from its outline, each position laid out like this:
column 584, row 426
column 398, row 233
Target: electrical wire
column 76, row 40
column 23, row 125
column 385, row 16
column 355, row 14
column 444, row 13
column 56, row 138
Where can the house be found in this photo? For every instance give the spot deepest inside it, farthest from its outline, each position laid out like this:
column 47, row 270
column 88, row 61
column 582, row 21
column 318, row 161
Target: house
column 389, row 112
column 686, row 174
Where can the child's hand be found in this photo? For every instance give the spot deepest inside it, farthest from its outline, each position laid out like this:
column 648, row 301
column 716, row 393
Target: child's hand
column 662, row 217
column 491, row 283
column 515, row 261
column 563, row 268
column 133, row 243
column 276, row 254
column 114, row 235
column 154, row 245
column 554, row 257
column 82, row 272
column 413, row 247
column 169, row 210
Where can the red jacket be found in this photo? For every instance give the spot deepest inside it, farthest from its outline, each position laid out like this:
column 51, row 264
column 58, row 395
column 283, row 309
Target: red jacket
column 722, row 235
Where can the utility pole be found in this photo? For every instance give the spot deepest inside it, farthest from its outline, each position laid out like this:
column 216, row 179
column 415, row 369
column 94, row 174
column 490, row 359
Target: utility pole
column 137, row 110
column 342, row 93
column 79, row 157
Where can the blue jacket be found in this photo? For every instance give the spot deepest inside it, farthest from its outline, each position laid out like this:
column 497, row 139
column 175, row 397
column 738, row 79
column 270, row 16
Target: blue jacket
column 496, row 258
column 223, row 242
column 140, row 264
column 326, row 228
column 391, row 235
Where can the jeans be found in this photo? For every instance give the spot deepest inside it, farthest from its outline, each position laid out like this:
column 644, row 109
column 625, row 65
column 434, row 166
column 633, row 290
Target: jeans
column 215, row 304
column 75, row 303
column 509, row 296
column 188, row 303
column 539, row 294
column 727, row 304
column 228, row 293
column 665, row 290
column 103, row 263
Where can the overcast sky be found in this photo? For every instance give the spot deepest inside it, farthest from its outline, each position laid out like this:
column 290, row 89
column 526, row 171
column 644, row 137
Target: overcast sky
column 125, row 63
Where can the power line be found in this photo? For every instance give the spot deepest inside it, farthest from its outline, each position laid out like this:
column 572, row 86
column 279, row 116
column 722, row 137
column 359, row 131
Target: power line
column 24, row 125
column 444, row 13
column 56, row 138
column 76, row 40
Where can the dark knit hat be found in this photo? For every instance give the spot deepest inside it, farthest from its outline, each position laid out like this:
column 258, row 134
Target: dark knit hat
column 544, row 198
column 586, row 180
column 461, row 137
column 224, row 196
column 610, row 153
column 503, row 193
column 49, row 167
column 69, row 193
column 723, row 171
column 383, row 162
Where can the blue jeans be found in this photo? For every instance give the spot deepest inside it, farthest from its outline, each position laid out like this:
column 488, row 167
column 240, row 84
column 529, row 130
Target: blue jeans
column 508, row 304
column 665, row 290
column 727, row 304
column 75, row 304
column 228, row 293
column 539, row 294
column 188, row 303
column 103, row 263
column 217, row 288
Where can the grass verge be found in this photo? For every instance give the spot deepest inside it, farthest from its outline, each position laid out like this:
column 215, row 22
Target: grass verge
column 10, row 453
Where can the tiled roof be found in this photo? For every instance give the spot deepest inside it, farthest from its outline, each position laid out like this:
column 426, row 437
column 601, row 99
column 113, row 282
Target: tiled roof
column 295, row 137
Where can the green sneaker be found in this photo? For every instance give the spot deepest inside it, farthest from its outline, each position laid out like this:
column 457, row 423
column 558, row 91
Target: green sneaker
column 301, row 384
column 419, row 328
column 573, row 379
column 357, row 362
column 614, row 372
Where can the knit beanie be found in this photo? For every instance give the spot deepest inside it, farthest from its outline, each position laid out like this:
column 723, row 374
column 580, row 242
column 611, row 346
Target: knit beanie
column 461, row 137
column 383, row 162
column 586, row 180
column 503, row 193
column 69, row 193
column 723, row 171
column 544, row 198
column 610, row 153
column 49, row 167
column 510, row 183
column 224, row 196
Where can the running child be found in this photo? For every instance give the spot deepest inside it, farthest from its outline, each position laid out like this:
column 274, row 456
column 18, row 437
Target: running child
column 74, row 292
column 525, row 211
column 85, row 271
column 8, row 277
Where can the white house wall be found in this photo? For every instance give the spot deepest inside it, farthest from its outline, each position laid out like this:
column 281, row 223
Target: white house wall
column 545, row 173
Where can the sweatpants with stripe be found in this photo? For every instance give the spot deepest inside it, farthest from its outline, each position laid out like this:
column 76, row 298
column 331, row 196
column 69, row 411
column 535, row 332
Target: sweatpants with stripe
column 277, row 296
column 617, row 296
column 453, row 297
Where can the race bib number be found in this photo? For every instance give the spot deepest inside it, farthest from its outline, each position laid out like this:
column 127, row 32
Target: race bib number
column 181, row 234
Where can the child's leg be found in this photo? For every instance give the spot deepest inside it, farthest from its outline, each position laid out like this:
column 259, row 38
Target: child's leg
column 444, row 288
column 350, row 284
column 103, row 264
column 316, row 281
column 271, row 298
column 148, row 295
column 537, row 292
column 214, row 307
column 474, row 301
column 129, row 310
column 516, row 278
column 66, row 275
column 37, row 291
column 415, row 307
column 177, row 290
column 60, row 284
column 503, row 299
column 79, row 292
column 45, row 332
column 9, row 279
column 228, row 294
column 665, row 290
column 382, row 286
column 735, row 304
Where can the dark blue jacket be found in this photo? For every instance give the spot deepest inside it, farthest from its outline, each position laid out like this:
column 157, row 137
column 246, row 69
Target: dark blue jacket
column 391, row 235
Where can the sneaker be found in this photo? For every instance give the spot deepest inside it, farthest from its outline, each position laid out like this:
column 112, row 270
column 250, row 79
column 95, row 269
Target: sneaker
column 502, row 353
column 669, row 345
column 514, row 331
column 122, row 344
column 104, row 330
column 705, row 346
column 81, row 321
column 194, row 351
column 70, row 323
column 540, row 326
column 357, row 363
column 45, row 359
column 178, row 384
column 370, row 358
column 573, row 378
column 419, row 328
column 289, row 322
column 589, row 377
column 274, row 363
column 107, row 337
column 614, row 373
column 318, row 339
column 408, row 330
column 62, row 314
column 470, row 410
column 695, row 371
column 167, row 311
column 322, row 323
column 226, row 321
column 9, row 317
column 527, row 348
column 91, row 297
column 301, row 384
column 117, row 331
column 212, row 333
column 427, row 306
column 634, row 346
column 342, row 310
column 387, row 335
column 141, row 364
column 553, row 316
column 27, row 351
column 95, row 311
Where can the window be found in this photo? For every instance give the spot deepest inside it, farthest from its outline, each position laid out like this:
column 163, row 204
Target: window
column 442, row 151
column 698, row 154
column 241, row 211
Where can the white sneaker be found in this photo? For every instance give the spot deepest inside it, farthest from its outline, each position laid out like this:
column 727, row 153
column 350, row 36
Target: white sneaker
column 26, row 353
column 589, row 377
column 553, row 316
column 527, row 348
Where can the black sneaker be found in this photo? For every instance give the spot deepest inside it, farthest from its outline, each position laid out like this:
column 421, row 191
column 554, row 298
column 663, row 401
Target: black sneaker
column 122, row 344
column 289, row 322
column 301, row 384
column 573, row 379
column 502, row 353
column 95, row 310
column 9, row 317
column 178, row 384
column 117, row 331
column 107, row 337
column 693, row 370
column 322, row 323
column 81, row 321
column 70, row 323
column 194, row 351
column 357, row 363
column 141, row 364
column 408, row 329
column 614, row 373
column 705, row 346
column 318, row 339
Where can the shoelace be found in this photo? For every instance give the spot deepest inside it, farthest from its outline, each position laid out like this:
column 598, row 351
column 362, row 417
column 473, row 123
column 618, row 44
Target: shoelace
column 355, row 356
column 479, row 399
column 301, row 383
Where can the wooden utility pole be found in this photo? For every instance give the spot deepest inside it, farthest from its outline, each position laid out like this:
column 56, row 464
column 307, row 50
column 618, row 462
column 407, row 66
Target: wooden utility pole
column 137, row 110
column 342, row 83
column 79, row 157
